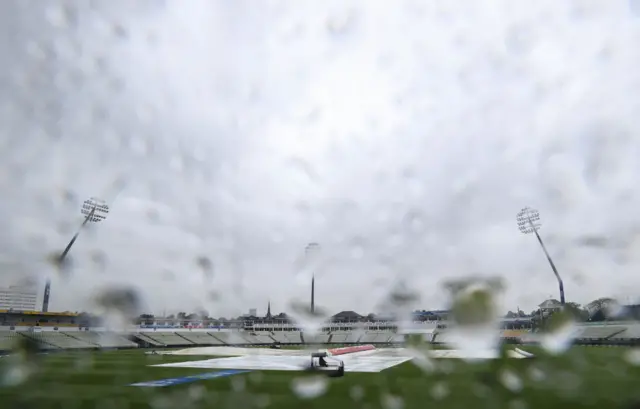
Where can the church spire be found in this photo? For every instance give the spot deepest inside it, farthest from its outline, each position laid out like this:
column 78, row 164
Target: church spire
column 269, row 310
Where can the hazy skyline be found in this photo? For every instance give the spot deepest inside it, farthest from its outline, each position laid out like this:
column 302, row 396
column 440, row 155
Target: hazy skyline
column 404, row 139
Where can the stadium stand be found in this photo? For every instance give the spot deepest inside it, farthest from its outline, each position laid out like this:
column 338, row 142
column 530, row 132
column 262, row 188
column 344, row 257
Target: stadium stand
column 339, row 337
column 166, row 339
column 631, row 332
column 600, row 332
column 8, row 339
column 62, row 338
column 102, row 339
column 52, row 340
column 201, row 338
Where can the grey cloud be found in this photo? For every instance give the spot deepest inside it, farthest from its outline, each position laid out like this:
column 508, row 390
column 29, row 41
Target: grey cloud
column 404, row 139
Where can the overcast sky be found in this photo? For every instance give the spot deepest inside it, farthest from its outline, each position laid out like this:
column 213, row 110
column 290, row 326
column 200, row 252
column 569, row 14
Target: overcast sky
column 403, row 137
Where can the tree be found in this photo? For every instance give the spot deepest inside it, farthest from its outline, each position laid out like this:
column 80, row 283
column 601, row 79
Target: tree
column 576, row 311
column 600, row 304
column 542, row 319
column 605, row 308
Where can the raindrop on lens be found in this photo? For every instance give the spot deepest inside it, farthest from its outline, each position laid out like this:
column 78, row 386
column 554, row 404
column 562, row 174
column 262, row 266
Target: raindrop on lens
column 511, row 381
column 310, row 387
column 392, row 402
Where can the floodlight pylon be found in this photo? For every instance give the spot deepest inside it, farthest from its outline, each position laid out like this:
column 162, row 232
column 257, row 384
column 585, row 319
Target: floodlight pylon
column 95, row 210
column 529, row 222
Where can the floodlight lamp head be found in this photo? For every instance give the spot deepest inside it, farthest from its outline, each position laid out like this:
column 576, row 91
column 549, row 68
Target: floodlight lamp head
column 528, row 220
column 99, row 207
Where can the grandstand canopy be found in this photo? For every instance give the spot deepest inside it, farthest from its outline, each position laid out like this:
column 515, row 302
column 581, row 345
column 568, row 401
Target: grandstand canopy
column 347, row 316
column 550, row 304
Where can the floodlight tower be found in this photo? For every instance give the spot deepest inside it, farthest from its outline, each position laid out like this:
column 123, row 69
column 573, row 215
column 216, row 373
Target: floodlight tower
column 309, row 251
column 529, row 222
column 94, row 210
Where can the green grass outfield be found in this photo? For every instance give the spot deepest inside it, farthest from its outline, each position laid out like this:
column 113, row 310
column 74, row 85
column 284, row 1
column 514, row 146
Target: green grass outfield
column 585, row 377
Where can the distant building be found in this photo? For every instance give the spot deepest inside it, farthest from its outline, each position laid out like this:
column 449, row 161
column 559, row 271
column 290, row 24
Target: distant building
column 347, row 316
column 253, row 312
column 18, row 298
column 550, row 306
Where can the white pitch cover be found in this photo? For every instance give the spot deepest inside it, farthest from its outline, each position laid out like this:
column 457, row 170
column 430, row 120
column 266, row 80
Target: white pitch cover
column 376, row 360
column 352, row 363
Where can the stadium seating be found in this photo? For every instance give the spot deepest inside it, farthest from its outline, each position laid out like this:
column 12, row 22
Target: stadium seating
column 201, row 338
column 8, row 339
column 287, row 337
column 166, row 339
column 599, row 332
column 58, row 340
column 102, row 339
column 631, row 332
column 596, row 334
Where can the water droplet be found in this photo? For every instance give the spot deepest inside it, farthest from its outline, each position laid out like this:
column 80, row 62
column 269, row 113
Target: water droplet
column 238, row 384
column 167, row 275
column 536, row 374
column 310, row 387
column 63, row 264
column 84, row 362
column 153, row 215
column 392, row 401
column 68, row 196
column 14, row 375
column 356, row 392
column 161, row 402
column 614, row 310
column 119, row 31
column 61, row 16
column 303, row 168
column 568, row 383
column 559, row 333
column 120, row 304
column 139, row 146
column 480, row 390
column 310, row 264
column 206, row 265
column 256, row 377
column 510, row 380
column 420, row 358
column 311, row 322
column 214, row 296
column 99, row 258
column 633, row 356
column 439, row 390
column 414, row 222
column 517, row 404
column 474, row 327
column 262, row 400
column 27, row 281
column 18, row 367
